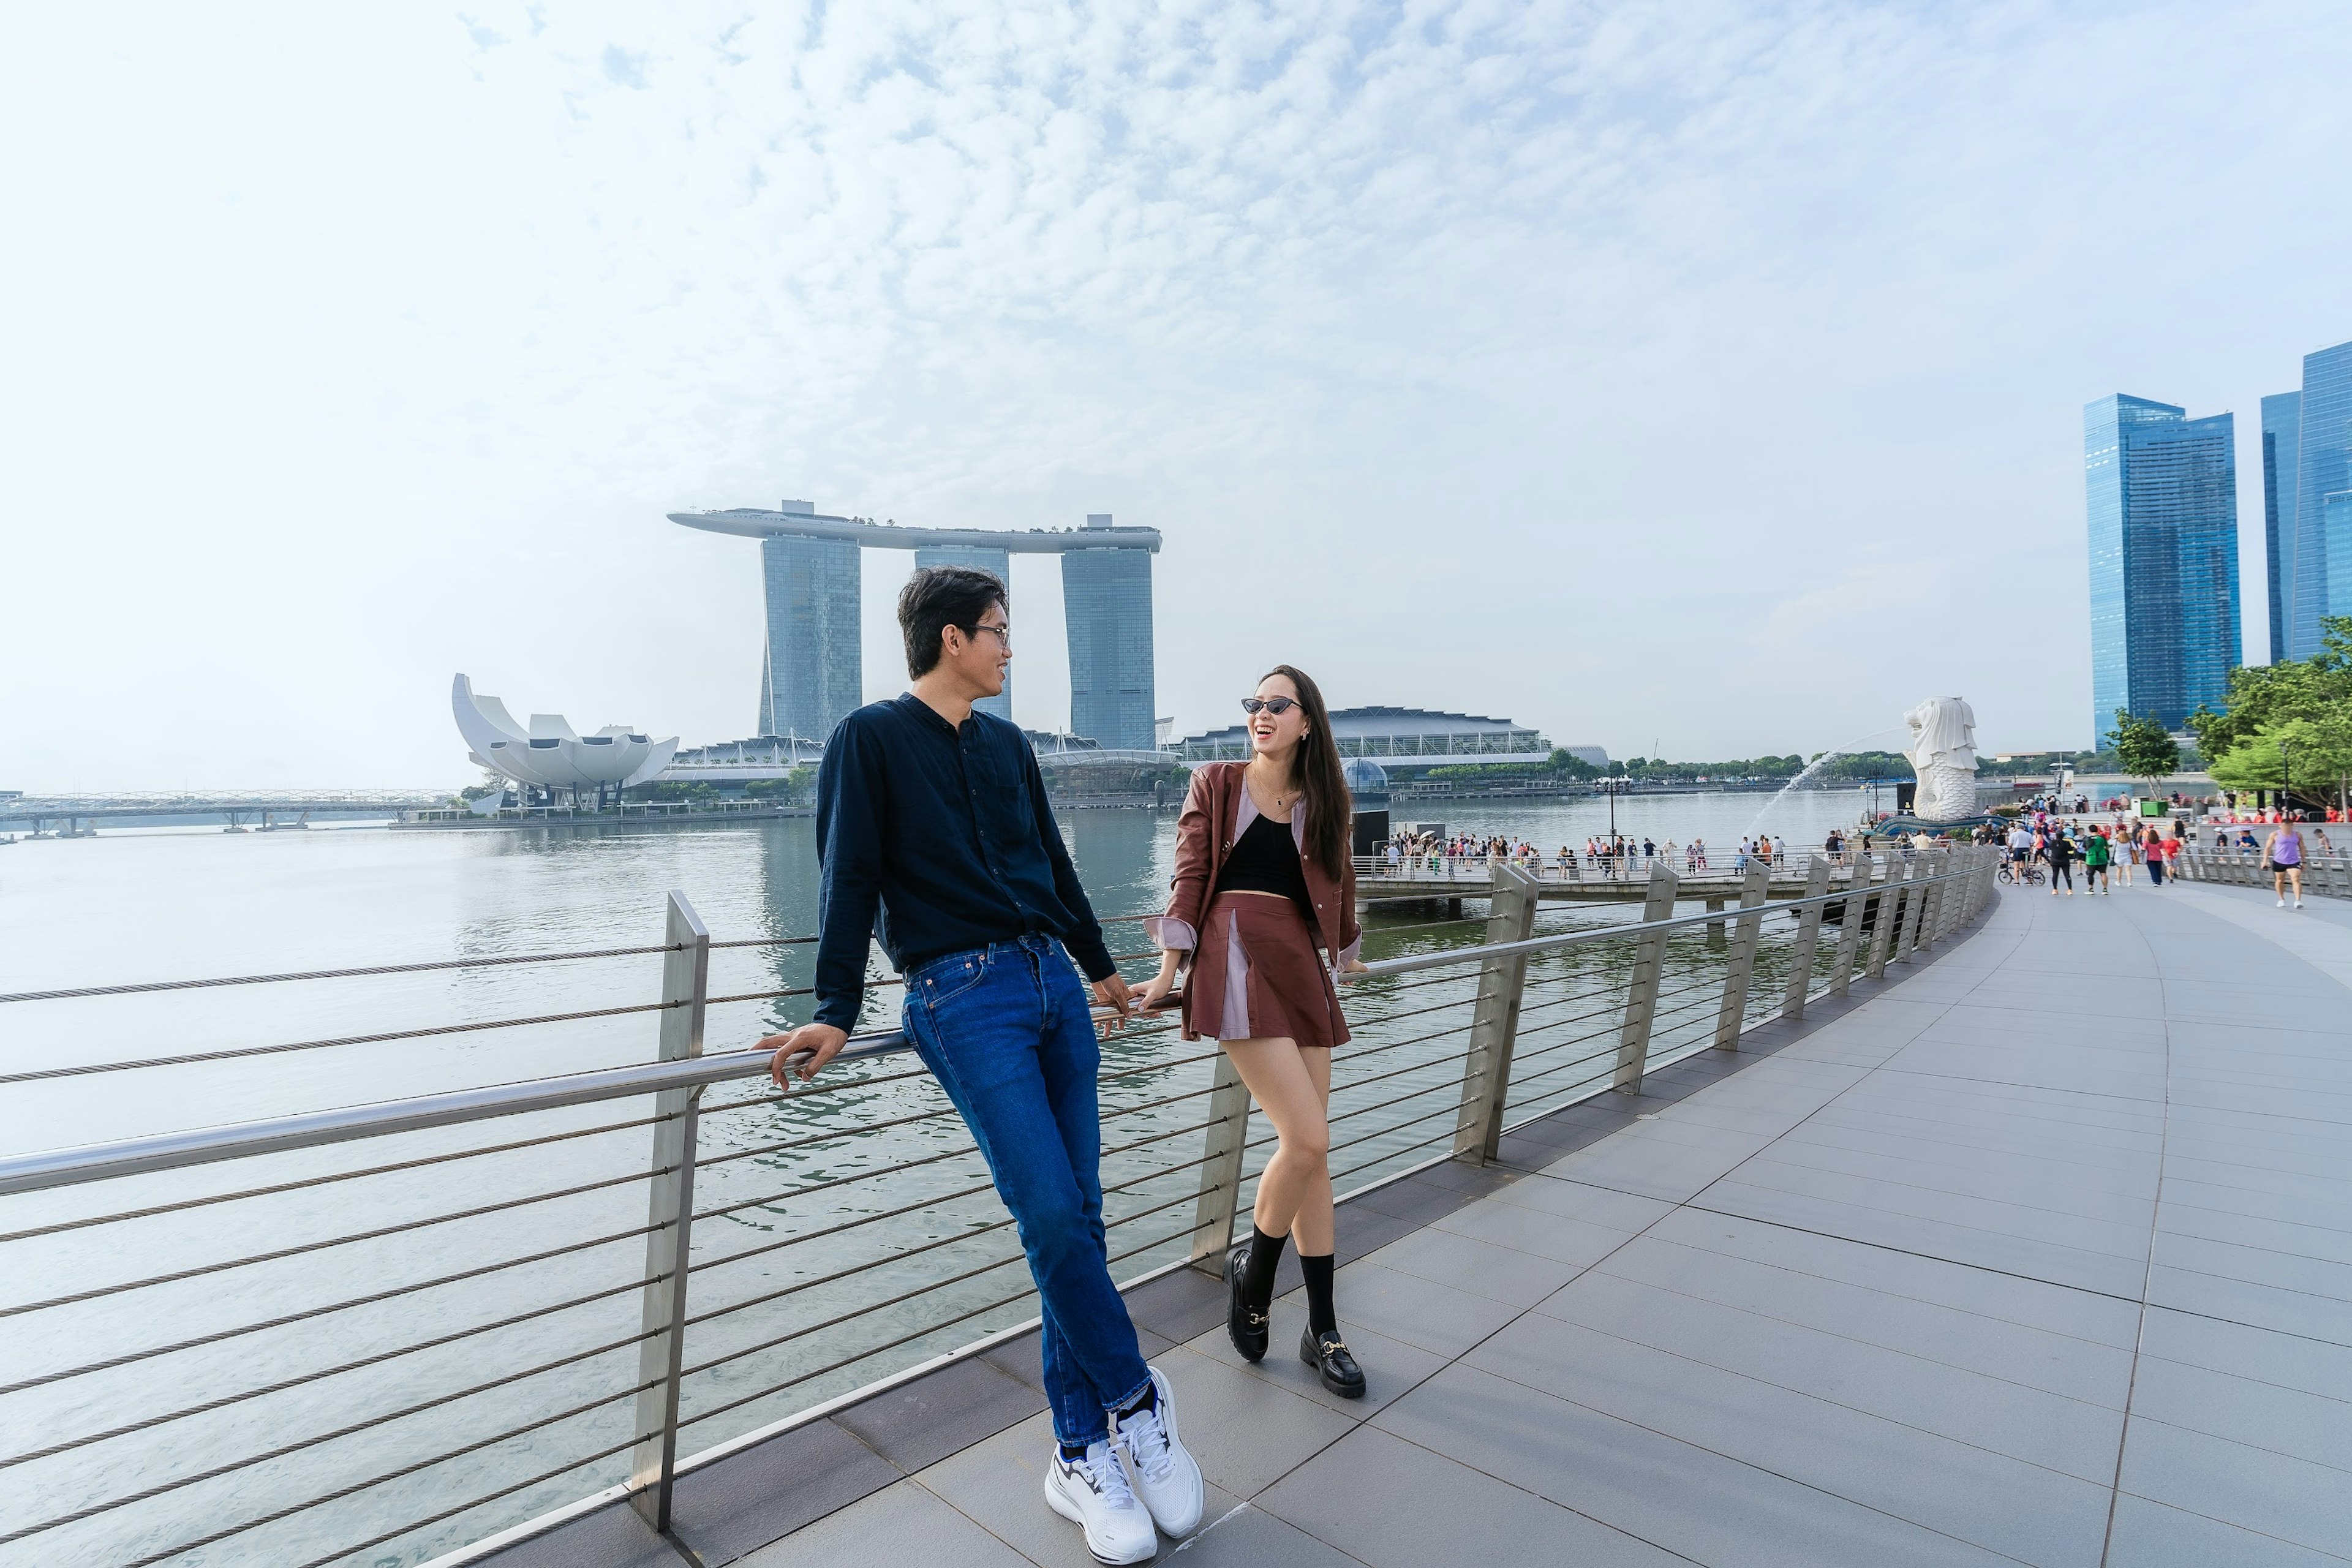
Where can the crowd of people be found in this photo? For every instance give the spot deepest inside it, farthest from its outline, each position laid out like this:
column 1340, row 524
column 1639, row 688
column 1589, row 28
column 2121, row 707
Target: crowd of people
column 1603, row 856
column 2040, row 845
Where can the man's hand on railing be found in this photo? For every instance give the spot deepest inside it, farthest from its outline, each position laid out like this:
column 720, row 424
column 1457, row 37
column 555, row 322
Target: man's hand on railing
column 813, row 1043
column 1111, row 990
column 1354, row 966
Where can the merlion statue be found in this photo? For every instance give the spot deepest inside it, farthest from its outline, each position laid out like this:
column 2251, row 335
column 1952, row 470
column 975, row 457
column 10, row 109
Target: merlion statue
column 1944, row 754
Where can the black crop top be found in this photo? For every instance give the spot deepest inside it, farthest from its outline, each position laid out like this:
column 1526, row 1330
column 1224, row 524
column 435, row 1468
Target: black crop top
column 1264, row 859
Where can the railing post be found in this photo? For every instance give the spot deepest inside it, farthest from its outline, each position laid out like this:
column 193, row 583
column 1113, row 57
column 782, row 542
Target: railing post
column 1741, row 970
column 1642, row 994
column 1809, row 941
column 685, row 988
column 1221, row 1165
column 1931, row 924
column 1888, row 913
column 1857, row 894
column 1915, row 907
column 1495, row 1023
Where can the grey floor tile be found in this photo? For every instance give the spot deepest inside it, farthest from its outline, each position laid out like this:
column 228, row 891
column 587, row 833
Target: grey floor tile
column 1500, row 1273
column 611, row 1537
column 1988, row 1500
column 2057, row 1363
column 2256, row 1489
column 1686, row 1498
column 1574, row 1242
column 2251, row 1302
column 1249, row 1537
column 1580, row 1201
column 2287, row 1361
column 913, row 1424
column 2070, row 1435
column 2201, row 1212
column 2150, row 1535
column 1416, row 1310
column 1368, row 1496
column 747, row 1499
column 1669, row 1169
column 2291, row 1421
column 2025, row 1183
column 2105, row 1318
column 2058, row 1262
column 900, row 1523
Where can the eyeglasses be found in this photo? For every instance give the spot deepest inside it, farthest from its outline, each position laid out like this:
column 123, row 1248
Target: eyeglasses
column 1004, row 633
column 1269, row 704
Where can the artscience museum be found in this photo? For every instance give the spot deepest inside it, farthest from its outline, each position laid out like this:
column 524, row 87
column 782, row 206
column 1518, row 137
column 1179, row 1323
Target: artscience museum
column 551, row 756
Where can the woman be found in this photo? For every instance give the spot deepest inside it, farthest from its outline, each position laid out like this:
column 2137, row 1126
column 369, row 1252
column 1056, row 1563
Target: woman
column 1263, row 882
column 2283, row 853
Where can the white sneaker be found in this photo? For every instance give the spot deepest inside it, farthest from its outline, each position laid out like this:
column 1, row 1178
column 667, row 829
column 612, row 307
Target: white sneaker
column 1093, row 1494
column 2281, row 903
column 1167, row 1477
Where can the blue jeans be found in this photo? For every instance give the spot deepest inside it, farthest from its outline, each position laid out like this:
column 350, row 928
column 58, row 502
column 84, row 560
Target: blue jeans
column 1005, row 1030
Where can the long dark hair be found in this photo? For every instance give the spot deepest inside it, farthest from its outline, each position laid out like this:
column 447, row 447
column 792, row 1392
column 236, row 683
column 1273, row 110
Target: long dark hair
column 1315, row 769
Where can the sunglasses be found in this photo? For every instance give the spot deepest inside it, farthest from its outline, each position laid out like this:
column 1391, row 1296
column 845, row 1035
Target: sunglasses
column 1277, row 705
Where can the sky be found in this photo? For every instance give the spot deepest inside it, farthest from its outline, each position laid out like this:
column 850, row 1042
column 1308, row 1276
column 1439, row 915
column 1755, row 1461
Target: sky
column 1702, row 379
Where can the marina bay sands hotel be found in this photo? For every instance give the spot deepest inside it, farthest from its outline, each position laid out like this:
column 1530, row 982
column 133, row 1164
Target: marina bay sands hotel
column 811, row 674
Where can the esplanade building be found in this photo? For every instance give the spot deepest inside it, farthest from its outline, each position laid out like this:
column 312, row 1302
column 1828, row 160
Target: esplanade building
column 810, row 676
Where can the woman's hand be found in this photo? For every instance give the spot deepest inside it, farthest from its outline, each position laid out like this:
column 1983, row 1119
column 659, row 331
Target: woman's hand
column 1355, row 966
column 1155, row 990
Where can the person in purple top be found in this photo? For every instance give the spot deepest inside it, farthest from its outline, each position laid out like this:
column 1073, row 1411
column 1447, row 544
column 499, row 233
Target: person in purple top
column 2283, row 853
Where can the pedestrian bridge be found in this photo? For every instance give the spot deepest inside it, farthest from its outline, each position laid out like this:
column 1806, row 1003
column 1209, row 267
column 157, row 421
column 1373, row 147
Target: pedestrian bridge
column 1988, row 1228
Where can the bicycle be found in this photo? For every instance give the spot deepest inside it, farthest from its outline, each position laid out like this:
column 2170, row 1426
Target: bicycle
column 2007, row 876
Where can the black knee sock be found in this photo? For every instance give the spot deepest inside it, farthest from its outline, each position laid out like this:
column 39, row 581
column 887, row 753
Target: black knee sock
column 1320, row 1317
column 1265, row 1257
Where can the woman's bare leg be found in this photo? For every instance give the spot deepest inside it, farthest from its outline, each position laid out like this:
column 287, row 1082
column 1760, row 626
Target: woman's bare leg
column 1294, row 1088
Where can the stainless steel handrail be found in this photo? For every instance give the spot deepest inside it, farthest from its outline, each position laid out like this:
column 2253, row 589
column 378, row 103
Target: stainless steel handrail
column 174, row 1150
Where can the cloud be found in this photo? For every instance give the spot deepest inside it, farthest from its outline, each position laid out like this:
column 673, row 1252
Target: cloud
column 1624, row 369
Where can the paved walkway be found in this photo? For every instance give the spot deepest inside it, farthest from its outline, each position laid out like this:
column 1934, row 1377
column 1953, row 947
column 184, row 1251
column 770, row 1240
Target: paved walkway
column 2042, row 1255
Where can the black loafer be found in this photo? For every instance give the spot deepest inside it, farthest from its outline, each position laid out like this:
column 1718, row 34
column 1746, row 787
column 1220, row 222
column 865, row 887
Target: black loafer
column 1327, row 1353
column 1245, row 1325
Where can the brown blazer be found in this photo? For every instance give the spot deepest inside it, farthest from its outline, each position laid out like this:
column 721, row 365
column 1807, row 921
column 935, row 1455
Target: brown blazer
column 1217, row 811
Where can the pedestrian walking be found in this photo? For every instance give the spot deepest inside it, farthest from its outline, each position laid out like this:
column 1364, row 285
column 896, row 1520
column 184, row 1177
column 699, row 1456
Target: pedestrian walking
column 2096, row 855
column 1264, row 892
column 933, row 817
column 2283, row 853
column 2152, row 846
column 2059, row 851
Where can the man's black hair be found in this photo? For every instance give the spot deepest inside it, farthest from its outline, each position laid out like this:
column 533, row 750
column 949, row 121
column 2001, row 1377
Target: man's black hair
column 938, row 597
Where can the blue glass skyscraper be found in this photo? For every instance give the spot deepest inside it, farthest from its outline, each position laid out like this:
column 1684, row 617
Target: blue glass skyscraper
column 1106, row 601
column 2321, row 576
column 811, row 674
column 2282, row 420
column 2162, row 500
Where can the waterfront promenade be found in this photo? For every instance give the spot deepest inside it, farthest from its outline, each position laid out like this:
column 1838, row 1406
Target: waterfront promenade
column 2040, row 1253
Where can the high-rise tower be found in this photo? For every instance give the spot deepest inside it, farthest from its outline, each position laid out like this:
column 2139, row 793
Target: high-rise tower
column 1107, row 602
column 2322, row 575
column 2282, row 541
column 811, row 674
column 2163, row 511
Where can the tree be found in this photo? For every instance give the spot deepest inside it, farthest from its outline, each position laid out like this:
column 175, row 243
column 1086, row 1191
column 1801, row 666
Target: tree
column 2317, row 755
column 2145, row 750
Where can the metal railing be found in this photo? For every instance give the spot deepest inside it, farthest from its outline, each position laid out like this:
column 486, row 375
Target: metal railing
column 2241, row 867
column 377, row 1331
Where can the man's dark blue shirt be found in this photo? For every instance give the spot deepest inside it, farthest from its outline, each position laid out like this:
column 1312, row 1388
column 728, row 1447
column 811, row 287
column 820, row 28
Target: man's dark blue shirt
column 943, row 831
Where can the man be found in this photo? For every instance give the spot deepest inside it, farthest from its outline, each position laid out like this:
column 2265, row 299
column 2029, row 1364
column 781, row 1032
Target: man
column 2020, row 851
column 2094, row 863
column 934, row 816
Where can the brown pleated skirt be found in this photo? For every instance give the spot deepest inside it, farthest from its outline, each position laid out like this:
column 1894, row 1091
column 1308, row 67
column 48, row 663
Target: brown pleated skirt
column 1257, row 975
